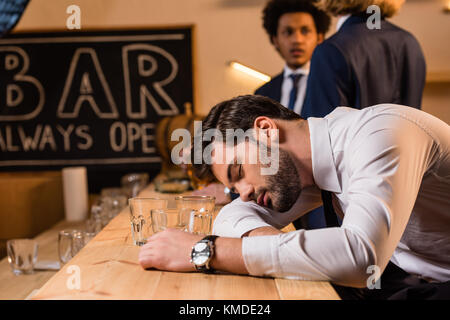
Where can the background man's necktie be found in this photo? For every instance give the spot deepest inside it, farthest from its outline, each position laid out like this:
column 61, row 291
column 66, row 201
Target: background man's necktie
column 293, row 95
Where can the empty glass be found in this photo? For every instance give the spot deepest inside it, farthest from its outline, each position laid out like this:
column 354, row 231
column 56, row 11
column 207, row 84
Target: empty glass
column 163, row 219
column 200, row 204
column 200, row 222
column 70, row 242
column 65, row 245
column 113, row 204
column 140, row 217
column 112, row 192
column 22, row 255
column 133, row 183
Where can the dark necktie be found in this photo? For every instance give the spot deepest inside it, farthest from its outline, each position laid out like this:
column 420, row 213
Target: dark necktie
column 328, row 210
column 293, row 95
column 330, row 214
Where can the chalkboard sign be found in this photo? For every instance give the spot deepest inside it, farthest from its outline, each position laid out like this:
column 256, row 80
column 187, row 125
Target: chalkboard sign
column 90, row 99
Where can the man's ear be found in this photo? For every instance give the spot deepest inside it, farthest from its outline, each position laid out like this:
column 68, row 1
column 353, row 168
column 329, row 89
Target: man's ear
column 320, row 37
column 264, row 123
column 265, row 126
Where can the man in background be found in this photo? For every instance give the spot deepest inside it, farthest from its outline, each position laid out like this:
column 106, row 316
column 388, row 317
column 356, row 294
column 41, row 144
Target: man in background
column 295, row 28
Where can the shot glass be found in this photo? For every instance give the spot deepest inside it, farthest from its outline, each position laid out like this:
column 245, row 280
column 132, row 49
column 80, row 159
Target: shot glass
column 133, row 183
column 65, row 245
column 200, row 222
column 22, row 255
column 140, row 219
column 113, row 205
column 70, row 242
column 79, row 240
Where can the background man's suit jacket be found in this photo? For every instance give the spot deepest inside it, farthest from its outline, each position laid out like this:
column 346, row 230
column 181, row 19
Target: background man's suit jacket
column 272, row 89
column 358, row 67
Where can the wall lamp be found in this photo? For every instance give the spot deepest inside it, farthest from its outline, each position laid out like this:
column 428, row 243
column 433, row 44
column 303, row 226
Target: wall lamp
column 250, row 71
column 447, row 6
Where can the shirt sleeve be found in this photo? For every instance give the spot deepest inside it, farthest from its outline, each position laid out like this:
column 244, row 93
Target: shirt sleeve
column 237, row 218
column 386, row 171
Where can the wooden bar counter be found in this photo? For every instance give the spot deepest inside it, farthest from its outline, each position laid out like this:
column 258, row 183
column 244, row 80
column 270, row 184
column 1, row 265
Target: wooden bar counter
column 108, row 268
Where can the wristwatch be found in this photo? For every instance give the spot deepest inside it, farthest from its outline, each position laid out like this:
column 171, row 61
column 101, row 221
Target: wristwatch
column 202, row 253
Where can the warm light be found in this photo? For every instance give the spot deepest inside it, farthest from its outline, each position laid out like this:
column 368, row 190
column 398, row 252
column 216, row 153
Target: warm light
column 250, row 71
column 447, row 7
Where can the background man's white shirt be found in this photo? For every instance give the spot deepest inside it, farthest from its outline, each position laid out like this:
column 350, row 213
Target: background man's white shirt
column 287, row 85
column 389, row 168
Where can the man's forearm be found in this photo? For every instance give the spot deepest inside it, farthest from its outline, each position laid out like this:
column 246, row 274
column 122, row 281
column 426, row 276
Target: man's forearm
column 228, row 251
column 228, row 256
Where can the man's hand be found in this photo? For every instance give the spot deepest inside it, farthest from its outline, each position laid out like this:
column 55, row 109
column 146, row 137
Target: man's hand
column 169, row 250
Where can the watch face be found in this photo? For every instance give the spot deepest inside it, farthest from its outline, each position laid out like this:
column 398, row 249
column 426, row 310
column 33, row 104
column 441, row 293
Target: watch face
column 200, row 246
column 201, row 253
column 200, row 259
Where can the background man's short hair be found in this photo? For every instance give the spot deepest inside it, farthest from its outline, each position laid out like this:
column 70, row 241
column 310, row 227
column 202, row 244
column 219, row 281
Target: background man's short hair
column 274, row 9
column 388, row 8
column 238, row 113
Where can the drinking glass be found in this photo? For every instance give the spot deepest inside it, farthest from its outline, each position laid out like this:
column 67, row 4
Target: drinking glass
column 77, row 242
column 113, row 204
column 112, row 192
column 22, row 255
column 186, row 204
column 163, row 219
column 133, row 183
column 65, row 245
column 200, row 222
column 140, row 218
column 70, row 242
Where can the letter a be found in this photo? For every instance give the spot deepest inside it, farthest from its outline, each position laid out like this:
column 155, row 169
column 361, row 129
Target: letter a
column 74, row 281
column 373, row 22
column 74, row 20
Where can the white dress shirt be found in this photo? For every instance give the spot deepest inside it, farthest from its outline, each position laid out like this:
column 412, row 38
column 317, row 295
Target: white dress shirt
column 341, row 21
column 388, row 167
column 287, row 84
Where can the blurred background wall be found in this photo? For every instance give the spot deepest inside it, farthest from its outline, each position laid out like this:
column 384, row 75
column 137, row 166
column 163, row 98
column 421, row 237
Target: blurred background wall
column 232, row 30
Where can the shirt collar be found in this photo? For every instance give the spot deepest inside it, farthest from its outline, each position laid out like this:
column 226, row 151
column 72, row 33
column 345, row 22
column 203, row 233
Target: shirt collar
column 302, row 70
column 323, row 165
column 341, row 21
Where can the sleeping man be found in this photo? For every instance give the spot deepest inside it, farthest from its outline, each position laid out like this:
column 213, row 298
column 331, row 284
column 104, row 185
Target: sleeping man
column 384, row 170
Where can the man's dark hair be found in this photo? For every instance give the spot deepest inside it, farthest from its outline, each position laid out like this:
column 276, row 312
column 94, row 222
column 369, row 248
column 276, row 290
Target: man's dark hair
column 238, row 113
column 276, row 8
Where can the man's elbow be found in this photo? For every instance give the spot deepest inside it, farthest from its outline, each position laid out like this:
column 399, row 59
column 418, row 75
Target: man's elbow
column 363, row 270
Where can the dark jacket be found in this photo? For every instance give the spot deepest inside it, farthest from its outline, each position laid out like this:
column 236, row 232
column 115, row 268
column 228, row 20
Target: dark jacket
column 358, row 67
column 272, row 89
